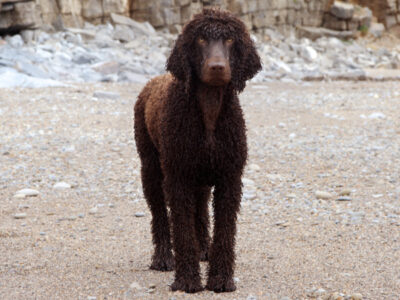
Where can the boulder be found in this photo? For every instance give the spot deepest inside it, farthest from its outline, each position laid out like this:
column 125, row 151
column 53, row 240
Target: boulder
column 334, row 23
column 363, row 16
column 376, row 29
column 141, row 28
column 342, row 10
column 17, row 16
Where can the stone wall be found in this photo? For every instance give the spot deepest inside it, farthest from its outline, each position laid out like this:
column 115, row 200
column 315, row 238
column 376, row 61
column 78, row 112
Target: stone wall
column 172, row 14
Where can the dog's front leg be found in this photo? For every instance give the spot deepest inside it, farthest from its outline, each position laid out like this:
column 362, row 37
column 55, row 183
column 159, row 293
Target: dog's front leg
column 187, row 257
column 227, row 196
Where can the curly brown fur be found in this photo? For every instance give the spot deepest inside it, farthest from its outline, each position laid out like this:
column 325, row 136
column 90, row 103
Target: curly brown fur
column 190, row 136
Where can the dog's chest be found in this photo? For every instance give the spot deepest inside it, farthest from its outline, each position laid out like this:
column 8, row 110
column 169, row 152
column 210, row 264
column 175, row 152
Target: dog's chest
column 210, row 103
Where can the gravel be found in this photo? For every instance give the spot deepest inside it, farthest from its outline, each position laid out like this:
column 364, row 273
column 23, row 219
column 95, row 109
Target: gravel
column 72, row 244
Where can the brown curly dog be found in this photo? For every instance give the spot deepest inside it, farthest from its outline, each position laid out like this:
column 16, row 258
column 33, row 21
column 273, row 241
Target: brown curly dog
column 190, row 135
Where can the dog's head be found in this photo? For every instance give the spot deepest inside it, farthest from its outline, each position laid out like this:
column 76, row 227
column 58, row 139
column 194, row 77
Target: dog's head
column 215, row 48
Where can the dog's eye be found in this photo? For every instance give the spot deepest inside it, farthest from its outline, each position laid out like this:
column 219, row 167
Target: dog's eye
column 229, row 41
column 201, row 41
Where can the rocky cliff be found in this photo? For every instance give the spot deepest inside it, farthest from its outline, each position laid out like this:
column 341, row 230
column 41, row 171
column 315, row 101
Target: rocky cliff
column 172, row 14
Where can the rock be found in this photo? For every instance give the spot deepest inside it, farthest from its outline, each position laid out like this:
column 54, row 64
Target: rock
column 20, row 196
column 342, row 10
column 274, row 177
column 15, row 41
column 85, row 32
column 20, row 216
column 123, row 33
column 344, row 198
column 314, row 33
column 376, row 29
column 19, row 14
column 27, row 192
column 248, row 182
column 377, row 115
column 93, row 210
column 140, row 214
column 132, row 77
column 254, row 167
column 142, row 28
column 61, row 185
column 323, row 195
column 309, row 53
column 335, row 296
column 345, row 192
column 135, row 286
column 356, row 296
column 334, row 23
column 362, row 16
column 106, row 95
column 106, row 68
column 11, row 78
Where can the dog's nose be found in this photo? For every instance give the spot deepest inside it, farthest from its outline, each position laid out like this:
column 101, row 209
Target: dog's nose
column 217, row 66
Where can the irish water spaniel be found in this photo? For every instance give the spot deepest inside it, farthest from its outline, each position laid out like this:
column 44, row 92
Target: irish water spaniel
column 190, row 135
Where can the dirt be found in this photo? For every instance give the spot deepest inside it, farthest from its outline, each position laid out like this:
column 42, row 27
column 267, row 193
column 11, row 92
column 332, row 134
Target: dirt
column 85, row 242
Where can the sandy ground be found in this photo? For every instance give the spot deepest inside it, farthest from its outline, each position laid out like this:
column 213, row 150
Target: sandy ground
column 86, row 242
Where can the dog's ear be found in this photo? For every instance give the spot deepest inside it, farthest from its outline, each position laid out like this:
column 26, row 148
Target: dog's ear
column 246, row 62
column 178, row 62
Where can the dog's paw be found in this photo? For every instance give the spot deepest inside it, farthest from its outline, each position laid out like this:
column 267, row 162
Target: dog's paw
column 163, row 263
column 219, row 284
column 188, row 286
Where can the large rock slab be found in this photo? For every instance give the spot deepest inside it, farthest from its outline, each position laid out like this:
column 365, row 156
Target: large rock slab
column 17, row 16
column 342, row 10
column 142, row 28
column 314, row 33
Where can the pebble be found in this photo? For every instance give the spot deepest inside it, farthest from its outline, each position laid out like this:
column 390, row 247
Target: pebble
column 377, row 115
column 356, row 296
column 323, row 195
column 61, row 185
column 93, row 210
column 344, row 198
column 345, row 192
column 26, row 193
column 140, row 214
column 106, row 95
column 135, row 286
column 20, row 216
column 19, row 196
column 254, row 167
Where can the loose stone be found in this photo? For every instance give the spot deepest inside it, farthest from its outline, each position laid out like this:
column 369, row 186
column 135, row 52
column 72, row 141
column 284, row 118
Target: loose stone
column 323, row 195
column 61, row 185
column 139, row 214
column 20, row 216
column 27, row 193
column 344, row 198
